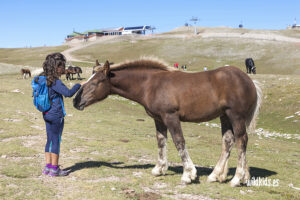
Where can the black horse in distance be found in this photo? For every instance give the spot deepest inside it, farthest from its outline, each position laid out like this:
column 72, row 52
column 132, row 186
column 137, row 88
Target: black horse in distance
column 250, row 66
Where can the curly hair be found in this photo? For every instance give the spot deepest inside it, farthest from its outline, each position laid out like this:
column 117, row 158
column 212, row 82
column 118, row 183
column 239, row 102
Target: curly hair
column 50, row 66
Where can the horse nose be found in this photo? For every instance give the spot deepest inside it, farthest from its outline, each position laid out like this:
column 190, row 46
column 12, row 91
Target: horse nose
column 77, row 99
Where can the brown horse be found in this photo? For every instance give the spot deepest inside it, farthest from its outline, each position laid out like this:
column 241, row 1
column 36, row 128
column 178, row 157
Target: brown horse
column 24, row 73
column 170, row 96
column 73, row 70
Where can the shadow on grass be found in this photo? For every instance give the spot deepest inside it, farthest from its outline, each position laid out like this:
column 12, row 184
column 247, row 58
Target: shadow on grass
column 201, row 171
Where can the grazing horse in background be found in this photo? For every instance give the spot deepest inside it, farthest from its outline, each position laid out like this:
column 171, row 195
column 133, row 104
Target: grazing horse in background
column 73, row 70
column 24, row 73
column 250, row 66
column 68, row 74
column 170, row 96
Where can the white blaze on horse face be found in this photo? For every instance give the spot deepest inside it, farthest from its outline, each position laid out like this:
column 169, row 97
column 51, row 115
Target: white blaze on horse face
column 89, row 78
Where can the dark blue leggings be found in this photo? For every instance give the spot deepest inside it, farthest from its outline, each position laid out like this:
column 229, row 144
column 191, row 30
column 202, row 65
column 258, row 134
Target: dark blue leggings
column 54, row 128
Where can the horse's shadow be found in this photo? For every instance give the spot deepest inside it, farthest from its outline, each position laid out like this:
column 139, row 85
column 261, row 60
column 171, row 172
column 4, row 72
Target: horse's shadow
column 201, row 171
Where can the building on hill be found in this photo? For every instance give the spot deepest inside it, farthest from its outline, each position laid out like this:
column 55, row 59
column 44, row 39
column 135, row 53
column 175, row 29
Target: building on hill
column 91, row 35
column 75, row 36
column 136, row 30
column 294, row 26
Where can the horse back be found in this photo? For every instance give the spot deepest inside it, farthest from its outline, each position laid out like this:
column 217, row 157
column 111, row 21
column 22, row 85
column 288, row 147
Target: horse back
column 201, row 96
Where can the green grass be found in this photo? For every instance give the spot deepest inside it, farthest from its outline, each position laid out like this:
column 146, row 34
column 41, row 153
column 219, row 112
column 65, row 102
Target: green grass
column 28, row 56
column 196, row 52
column 280, row 100
column 105, row 146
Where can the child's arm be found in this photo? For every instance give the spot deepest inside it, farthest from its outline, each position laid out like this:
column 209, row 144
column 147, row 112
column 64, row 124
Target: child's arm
column 60, row 88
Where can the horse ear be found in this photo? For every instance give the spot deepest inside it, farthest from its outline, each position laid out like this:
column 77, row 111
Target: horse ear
column 106, row 68
column 97, row 63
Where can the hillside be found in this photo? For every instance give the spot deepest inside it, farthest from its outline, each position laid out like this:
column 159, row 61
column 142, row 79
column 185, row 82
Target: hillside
column 274, row 52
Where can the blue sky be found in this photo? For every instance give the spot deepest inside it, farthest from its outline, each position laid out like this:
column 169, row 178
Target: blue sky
column 44, row 22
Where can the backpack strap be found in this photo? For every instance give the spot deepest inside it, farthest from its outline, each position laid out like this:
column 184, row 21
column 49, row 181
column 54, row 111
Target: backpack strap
column 61, row 101
column 62, row 105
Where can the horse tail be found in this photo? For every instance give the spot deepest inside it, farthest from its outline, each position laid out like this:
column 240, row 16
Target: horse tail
column 251, row 120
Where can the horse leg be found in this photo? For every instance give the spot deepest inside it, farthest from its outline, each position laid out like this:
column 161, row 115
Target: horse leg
column 241, row 138
column 161, row 135
column 221, row 169
column 78, row 76
column 189, row 171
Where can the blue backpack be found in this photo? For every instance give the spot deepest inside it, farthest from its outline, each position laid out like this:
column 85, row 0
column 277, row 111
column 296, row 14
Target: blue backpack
column 40, row 93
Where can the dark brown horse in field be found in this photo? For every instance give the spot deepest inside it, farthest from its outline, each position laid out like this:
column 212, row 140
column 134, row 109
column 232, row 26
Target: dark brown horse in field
column 71, row 71
column 170, row 96
column 24, row 73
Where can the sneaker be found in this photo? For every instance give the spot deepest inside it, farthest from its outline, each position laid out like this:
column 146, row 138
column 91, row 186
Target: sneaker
column 46, row 170
column 58, row 172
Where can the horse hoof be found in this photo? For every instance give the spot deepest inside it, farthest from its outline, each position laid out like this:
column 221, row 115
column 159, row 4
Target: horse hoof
column 246, row 178
column 156, row 171
column 211, row 178
column 235, row 182
column 194, row 174
column 222, row 178
column 185, row 180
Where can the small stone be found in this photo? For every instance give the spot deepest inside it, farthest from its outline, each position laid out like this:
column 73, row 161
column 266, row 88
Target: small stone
column 137, row 174
column 288, row 117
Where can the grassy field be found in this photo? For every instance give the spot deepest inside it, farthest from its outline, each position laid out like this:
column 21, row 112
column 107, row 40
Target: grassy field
column 271, row 57
column 111, row 148
column 28, row 56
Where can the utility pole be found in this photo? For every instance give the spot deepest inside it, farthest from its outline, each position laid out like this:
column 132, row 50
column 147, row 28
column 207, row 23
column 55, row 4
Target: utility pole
column 195, row 20
column 152, row 29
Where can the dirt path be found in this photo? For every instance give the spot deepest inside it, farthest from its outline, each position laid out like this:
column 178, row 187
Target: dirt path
column 253, row 36
column 77, row 46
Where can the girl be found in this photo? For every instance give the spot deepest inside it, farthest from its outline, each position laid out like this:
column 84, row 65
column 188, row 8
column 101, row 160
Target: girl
column 53, row 67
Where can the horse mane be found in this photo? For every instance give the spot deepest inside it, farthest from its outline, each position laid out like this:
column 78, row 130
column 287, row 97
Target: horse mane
column 143, row 63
